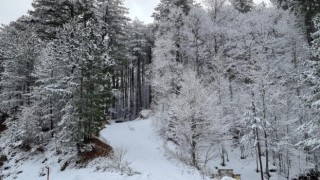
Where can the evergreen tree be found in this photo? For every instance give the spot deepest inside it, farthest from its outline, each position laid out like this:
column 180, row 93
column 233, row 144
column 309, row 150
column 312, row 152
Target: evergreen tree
column 139, row 49
column 111, row 15
column 19, row 47
column 242, row 6
column 307, row 9
column 51, row 15
column 313, row 98
column 73, row 83
column 95, row 90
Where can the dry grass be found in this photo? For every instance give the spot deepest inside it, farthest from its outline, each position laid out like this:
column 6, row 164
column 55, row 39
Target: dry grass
column 99, row 149
column 3, row 127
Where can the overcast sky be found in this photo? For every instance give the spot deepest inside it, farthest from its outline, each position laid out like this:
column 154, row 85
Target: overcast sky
column 10, row 10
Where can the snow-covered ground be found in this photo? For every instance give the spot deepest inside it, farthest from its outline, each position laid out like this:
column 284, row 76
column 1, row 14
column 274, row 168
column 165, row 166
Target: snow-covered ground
column 145, row 154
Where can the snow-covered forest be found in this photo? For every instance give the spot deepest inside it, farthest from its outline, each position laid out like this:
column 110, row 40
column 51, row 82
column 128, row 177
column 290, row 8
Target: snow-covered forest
column 219, row 79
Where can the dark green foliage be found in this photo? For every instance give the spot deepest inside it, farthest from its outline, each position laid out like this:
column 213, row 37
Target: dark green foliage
column 69, row 52
column 310, row 7
column 113, row 22
column 51, row 15
column 243, row 6
column 92, row 106
column 95, row 91
column 307, row 9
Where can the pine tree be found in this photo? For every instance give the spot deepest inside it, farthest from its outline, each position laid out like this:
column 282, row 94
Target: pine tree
column 19, row 47
column 313, row 101
column 51, row 15
column 114, row 24
column 307, row 9
column 95, row 90
column 139, row 49
column 242, row 6
column 111, row 15
column 73, row 87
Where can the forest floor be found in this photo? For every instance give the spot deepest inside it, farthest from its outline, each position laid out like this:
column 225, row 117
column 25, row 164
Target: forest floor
column 141, row 149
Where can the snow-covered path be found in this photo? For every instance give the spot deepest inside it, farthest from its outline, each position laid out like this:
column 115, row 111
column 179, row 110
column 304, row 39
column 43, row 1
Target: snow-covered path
column 145, row 152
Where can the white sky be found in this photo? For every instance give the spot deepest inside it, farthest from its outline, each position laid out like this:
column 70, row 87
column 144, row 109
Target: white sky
column 10, row 10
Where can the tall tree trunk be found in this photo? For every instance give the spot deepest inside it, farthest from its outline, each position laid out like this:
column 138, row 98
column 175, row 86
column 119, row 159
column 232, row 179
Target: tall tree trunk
column 138, row 90
column 288, row 159
column 127, row 92
column 51, row 113
column 230, row 89
column 219, row 90
column 257, row 136
column 265, row 129
column 122, row 79
column 257, row 159
column 194, row 143
column 132, row 96
column 308, row 21
column 144, row 95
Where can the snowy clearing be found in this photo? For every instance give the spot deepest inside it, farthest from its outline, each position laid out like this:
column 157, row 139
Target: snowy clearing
column 145, row 152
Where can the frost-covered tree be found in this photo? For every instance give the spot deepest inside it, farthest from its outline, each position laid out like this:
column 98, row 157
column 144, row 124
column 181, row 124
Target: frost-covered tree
column 167, row 54
column 214, row 7
column 56, row 82
column 253, row 135
column 272, row 40
column 193, row 33
column 191, row 126
column 19, row 47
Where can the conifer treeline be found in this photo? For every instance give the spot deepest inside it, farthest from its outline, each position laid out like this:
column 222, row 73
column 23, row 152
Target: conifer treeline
column 69, row 66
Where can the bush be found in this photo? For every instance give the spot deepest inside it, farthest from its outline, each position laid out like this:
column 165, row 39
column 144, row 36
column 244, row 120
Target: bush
column 3, row 159
column 309, row 175
column 94, row 149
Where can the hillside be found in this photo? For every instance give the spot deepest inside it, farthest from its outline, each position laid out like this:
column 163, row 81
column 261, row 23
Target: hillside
column 144, row 157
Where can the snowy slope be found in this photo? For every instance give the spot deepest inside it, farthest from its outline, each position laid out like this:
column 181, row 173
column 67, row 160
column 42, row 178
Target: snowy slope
column 145, row 152
column 145, row 156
